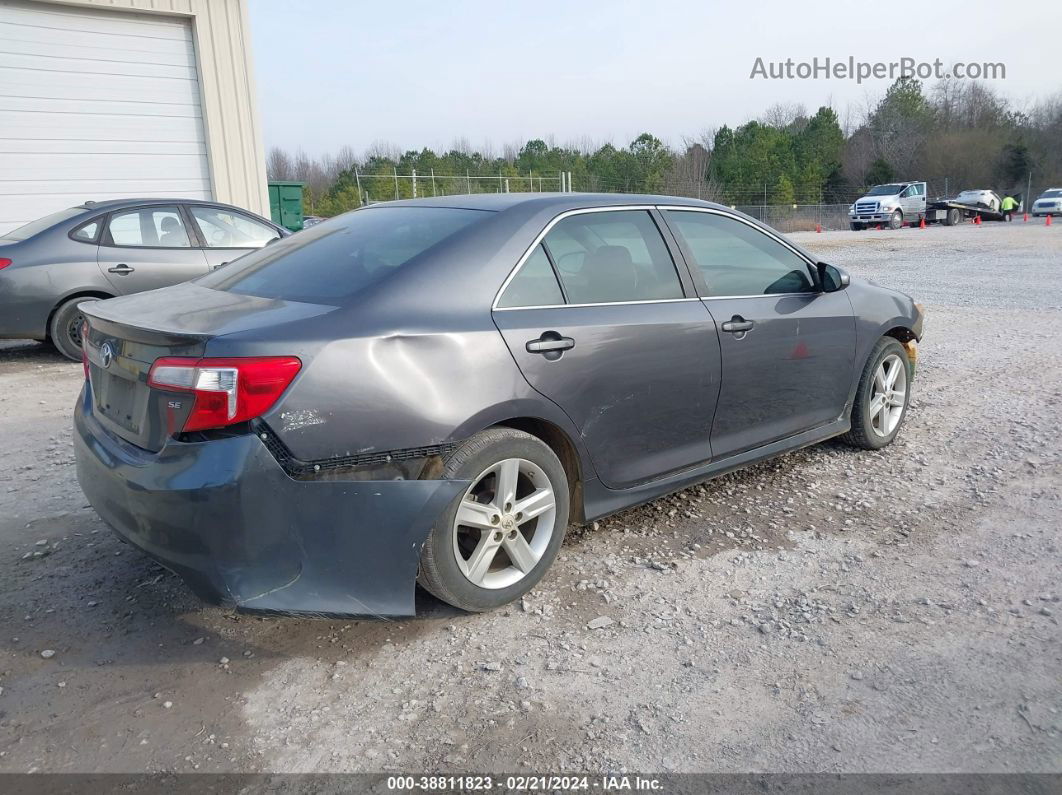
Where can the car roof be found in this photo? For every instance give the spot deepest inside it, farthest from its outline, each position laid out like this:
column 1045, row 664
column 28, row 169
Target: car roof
column 499, row 202
column 110, row 204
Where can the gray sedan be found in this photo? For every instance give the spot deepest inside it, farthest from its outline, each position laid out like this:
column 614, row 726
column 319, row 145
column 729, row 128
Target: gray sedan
column 109, row 248
column 430, row 391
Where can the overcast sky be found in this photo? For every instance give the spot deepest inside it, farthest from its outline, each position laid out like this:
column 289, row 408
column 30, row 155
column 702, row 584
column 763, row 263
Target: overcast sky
column 415, row 74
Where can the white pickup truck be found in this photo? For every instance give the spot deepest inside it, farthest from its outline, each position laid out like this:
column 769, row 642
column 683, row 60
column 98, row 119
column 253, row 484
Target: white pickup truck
column 892, row 204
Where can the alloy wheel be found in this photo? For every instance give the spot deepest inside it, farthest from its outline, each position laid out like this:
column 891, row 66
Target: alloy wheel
column 504, row 523
column 889, row 395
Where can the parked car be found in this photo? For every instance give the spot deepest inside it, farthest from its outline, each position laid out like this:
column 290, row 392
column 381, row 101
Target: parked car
column 109, row 248
column 892, row 204
column 1048, row 203
column 980, row 197
column 430, row 390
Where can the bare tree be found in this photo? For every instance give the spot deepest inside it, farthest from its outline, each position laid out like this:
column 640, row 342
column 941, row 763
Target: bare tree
column 278, row 165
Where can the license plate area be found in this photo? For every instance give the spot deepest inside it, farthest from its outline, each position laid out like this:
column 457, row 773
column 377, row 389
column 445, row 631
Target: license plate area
column 119, row 400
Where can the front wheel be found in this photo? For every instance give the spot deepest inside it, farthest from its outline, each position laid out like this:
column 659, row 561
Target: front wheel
column 857, row 227
column 882, row 397
column 896, row 221
column 497, row 539
column 65, row 328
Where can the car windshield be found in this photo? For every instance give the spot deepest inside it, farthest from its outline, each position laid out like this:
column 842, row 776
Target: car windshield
column 1052, row 194
column 885, row 190
column 41, row 224
column 334, row 260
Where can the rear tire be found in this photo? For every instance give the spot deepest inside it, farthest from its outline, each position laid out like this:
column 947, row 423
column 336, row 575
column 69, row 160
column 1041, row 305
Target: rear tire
column 483, row 551
column 879, row 409
column 64, row 330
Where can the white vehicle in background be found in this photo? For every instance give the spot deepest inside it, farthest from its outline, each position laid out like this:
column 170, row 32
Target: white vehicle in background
column 894, row 204
column 980, row 197
column 1049, row 203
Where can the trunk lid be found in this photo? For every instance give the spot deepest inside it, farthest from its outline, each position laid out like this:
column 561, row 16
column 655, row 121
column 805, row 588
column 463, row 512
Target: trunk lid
column 126, row 336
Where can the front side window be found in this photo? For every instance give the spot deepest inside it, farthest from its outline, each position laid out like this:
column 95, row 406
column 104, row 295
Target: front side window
column 609, row 256
column 535, row 284
column 737, row 259
column 154, row 227
column 328, row 263
column 225, row 228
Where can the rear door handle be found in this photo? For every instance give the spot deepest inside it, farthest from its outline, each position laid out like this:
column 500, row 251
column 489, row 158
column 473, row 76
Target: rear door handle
column 737, row 325
column 551, row 345
column 121, row 269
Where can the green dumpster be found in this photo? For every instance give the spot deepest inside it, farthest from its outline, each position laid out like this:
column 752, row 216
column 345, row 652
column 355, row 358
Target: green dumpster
column 285, row 204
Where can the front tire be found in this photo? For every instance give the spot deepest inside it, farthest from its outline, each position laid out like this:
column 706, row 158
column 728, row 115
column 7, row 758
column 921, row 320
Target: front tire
column 896, row 221
column 882, row 397
column 64, row 330
column 497, row 539
column 857, row 227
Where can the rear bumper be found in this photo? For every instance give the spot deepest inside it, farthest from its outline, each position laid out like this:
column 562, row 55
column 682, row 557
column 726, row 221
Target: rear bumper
column 225, row 517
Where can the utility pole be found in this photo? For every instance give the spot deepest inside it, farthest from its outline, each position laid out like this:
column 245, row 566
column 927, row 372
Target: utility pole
column 414, row 183
column 468, row 182
column 1028, row 194
column 433, row 182
column 357, row 179
column 396, row 183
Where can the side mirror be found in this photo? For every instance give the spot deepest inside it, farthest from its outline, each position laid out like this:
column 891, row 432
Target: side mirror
column 832, row 278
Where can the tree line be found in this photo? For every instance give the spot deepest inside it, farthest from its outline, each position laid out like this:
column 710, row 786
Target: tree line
column 956, row 135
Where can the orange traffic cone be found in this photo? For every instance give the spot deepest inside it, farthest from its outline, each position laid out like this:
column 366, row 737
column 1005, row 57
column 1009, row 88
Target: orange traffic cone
column 1026, row 219
column 1048, row 221
column 922, row 223
column 818, row 229
column 879, row 225
column 977, row 220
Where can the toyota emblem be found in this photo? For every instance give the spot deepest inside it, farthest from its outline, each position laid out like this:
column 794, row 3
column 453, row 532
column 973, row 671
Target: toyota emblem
column 106, row 354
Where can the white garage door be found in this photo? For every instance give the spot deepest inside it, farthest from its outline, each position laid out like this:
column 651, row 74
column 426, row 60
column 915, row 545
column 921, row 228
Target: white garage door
column 95, row 105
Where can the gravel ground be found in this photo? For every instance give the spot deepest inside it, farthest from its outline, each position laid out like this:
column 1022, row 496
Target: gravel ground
column 831, row 610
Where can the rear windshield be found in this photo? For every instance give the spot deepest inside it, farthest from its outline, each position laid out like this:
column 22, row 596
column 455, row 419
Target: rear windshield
column 47, row 222
column 334, row 260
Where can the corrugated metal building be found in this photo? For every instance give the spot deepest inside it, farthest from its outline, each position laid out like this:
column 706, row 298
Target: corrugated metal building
column 121, row 98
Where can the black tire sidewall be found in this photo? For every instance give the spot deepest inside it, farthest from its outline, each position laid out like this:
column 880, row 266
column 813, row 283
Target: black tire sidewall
column 885, row 347
column 57, row 329
column 504, row 443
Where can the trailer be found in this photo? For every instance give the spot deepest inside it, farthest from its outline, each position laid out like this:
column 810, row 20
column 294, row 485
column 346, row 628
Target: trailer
column 950, row 212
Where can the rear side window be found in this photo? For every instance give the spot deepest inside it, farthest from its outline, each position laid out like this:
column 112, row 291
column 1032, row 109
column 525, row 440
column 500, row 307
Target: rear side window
column 737, row 259
column 153, row 227
column 87, row 233
column 609, row 256
column 333, row 261
column 535, row 284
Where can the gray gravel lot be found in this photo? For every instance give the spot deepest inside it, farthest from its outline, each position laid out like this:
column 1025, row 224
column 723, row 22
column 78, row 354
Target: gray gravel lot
column 831, row 610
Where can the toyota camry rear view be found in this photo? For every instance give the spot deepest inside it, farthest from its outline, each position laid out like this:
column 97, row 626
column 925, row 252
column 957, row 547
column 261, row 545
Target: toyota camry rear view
column 430, row 391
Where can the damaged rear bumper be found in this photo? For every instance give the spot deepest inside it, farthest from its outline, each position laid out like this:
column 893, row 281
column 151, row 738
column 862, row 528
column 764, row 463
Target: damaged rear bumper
column 224, row 516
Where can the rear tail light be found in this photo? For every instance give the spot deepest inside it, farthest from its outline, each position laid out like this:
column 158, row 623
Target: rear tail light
column 84, row 347
column 4, row 262
column 227, row 391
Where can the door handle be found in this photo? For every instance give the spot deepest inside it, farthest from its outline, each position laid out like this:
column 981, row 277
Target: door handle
column 737, row 325
column 121, row 269
column 551, row 345
column 219, row 265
